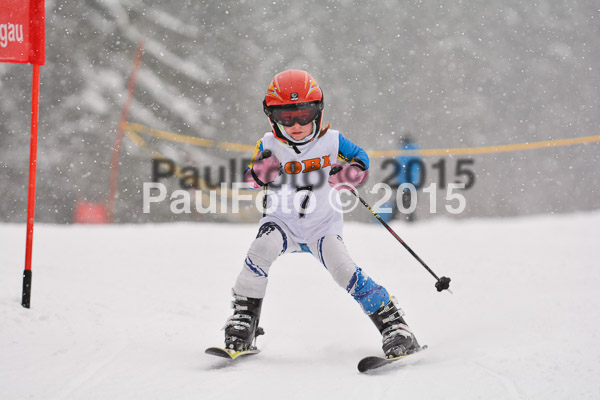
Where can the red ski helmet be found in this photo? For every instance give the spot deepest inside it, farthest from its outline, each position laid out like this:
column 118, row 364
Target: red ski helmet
column 293, row 96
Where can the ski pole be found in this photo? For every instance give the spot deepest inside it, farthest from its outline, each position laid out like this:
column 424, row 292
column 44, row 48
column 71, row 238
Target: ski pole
column 442, row 283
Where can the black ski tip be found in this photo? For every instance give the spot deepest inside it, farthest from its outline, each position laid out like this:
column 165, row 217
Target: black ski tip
column 219, row 352
column 230, row 354
column 370, row 363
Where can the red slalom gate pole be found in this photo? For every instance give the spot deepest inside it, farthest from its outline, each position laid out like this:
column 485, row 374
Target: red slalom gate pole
column 114, row 166
column 26, row 46
column 27, row 274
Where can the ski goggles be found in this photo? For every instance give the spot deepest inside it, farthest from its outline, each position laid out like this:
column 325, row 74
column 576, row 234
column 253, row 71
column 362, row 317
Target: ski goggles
column 303, row 114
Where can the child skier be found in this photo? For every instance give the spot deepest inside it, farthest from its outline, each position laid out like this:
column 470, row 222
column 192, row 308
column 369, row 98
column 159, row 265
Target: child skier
column 292, row 162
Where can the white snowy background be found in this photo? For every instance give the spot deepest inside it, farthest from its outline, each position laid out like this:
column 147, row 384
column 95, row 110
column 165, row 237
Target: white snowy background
column 452, row 74
column 126, row 312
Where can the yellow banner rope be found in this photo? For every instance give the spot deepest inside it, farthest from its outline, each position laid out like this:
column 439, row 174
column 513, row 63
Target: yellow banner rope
column 140, row 142
column 195, row 141
column 488, row 149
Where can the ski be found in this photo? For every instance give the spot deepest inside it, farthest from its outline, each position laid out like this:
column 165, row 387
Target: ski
column 230, row 354
column 370, row 363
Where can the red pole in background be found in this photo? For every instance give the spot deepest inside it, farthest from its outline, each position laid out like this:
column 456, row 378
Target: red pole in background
column 114, row 166
column 35, row 95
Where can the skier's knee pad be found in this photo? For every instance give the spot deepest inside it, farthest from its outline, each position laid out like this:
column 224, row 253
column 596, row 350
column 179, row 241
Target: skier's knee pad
column 264, row 249
column 270, row 242
column 366, row 292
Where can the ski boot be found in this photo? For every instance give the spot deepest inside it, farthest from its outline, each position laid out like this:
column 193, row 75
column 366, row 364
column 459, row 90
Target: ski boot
column 241, row 329
column 398, row 340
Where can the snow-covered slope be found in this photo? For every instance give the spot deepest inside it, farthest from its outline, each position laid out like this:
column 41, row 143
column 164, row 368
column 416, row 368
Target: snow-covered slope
column 126, row 312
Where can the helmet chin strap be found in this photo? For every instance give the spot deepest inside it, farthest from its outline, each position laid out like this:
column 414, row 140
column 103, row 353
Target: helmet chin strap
column 295, row 144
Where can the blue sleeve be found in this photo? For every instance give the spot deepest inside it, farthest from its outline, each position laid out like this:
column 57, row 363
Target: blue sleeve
column 350, row 152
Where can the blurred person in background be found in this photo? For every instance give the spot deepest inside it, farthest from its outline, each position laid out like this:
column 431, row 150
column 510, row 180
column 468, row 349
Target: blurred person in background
column 409, row 171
